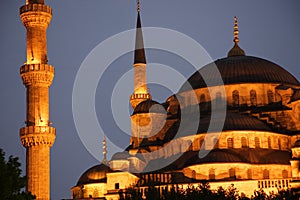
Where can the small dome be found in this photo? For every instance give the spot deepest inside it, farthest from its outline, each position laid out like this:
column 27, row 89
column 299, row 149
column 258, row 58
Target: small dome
column 148, row 106
column 297, row 143
column 96, row 174
column 236, row 51
column 121, row 156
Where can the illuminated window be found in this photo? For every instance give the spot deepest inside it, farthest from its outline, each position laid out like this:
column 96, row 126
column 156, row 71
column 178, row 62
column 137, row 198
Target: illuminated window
column 218, row 98
column 253, row 99
column 201, row 143
column 202, row 98
column 194, row 174
column 232, row 173
column 269, row 143
column 229, row 143
column 216, row 142
column 249, row 174
column 212, row 174
column 257, row 142
column 270, row 96
column 279, row 144
column 244, row 142
column 235, row 98
column 284, row 173
column 266, row 174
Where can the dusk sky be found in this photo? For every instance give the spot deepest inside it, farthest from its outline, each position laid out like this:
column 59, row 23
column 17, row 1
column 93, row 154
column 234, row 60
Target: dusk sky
column 268, row 29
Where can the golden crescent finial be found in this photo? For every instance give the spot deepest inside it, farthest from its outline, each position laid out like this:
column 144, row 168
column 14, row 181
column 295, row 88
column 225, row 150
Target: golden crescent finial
column 138, row 5
column 236, row 30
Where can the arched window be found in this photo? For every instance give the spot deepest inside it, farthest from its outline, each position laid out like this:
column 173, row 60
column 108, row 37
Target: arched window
column 212, row 174
column 249, row 174
column 235, row 98
column 257, row 142
column 253, row 99
column 270, row 96
column 269, row 143
column 266, row 174
column 202, row 98
column 229, row 143
column 218, row 98
column 194, row 174
column 216, row 142
column 279, row 144
column 232, row 173
column 244, row 142
column 284, row 174
column 201, row 142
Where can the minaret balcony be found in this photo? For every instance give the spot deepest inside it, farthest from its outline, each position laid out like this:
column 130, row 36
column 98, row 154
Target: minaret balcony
column 36, row 15
column 140, row 96
column 36, row 7
column 37, row 135
column 35, row 74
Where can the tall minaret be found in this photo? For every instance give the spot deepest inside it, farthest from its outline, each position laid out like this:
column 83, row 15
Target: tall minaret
column 140, row 87
column 37, row 136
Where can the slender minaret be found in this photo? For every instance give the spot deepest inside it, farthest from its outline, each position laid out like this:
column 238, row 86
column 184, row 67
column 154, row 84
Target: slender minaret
column 140, row 87
column 37, row 136
column 104, row 151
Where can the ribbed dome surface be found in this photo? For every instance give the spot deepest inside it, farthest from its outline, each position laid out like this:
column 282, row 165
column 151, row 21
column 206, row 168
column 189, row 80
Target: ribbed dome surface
column 242, row 69
column 149, row 106
column 96, row 174
column 242, row 155
column 235, row 121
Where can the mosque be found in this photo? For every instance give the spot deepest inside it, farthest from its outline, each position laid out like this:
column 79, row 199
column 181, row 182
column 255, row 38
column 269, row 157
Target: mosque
column 177, row 142
column 174, row 143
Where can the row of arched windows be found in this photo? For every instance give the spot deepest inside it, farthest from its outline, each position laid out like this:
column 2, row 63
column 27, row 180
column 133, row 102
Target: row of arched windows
column 232, row 174
column 244, row 143
column 236, row 97
column 253, row 97
column 280, row 144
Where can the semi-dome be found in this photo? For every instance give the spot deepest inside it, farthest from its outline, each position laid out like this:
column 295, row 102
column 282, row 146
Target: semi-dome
column 148, row 106
column 235, row 121
column 241, row 69
column 96, row 174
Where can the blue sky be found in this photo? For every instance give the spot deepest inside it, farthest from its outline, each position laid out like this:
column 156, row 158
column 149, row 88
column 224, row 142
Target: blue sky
column 268, row 29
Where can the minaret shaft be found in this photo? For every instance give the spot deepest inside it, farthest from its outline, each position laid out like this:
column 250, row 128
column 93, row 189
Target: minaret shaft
column 140, row 86
column 37, row 106
column 36, row 45
column 37, row 136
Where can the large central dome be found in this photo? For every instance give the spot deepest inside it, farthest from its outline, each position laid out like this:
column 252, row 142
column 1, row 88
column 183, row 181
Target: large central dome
column 242, row 69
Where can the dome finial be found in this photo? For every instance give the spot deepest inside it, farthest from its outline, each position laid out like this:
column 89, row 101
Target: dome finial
column 138, row 5
column 236, row 31
column 236, row 50
column 104, row 161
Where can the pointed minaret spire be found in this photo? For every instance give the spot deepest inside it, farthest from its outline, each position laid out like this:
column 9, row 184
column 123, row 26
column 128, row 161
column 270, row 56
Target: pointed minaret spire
column 139, row 53
column 140, row 87
column 236, row 50
column 104, row 151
